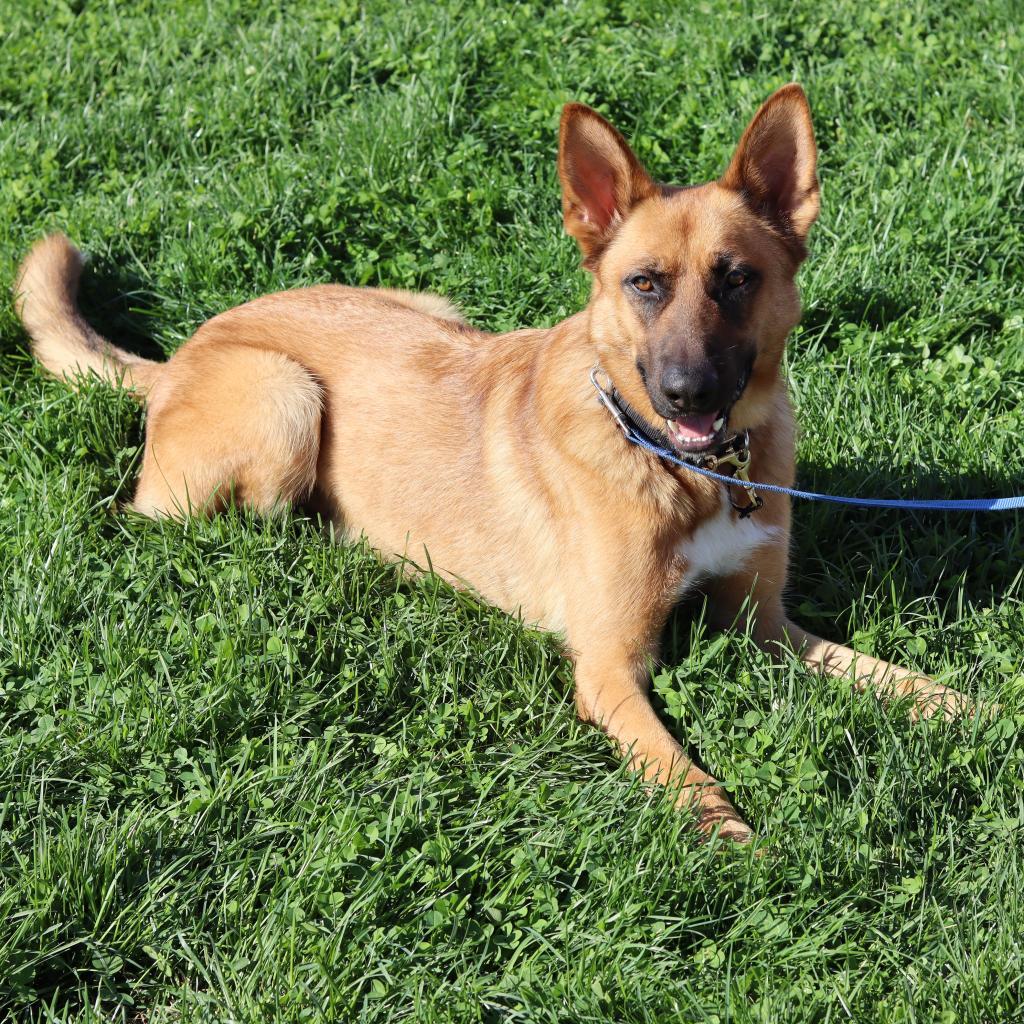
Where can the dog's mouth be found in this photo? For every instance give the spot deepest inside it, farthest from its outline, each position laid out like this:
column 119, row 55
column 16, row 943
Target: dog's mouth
column 700, row 431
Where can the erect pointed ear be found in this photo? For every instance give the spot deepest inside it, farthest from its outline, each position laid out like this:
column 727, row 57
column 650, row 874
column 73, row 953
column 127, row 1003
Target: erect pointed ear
column 775, row 165
column 601, row 179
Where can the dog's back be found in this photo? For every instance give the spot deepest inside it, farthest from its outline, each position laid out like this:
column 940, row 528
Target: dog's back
column 384, row 408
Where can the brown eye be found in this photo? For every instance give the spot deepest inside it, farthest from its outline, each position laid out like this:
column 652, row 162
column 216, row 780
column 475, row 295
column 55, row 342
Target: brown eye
column 735, row 278
column 642, row 284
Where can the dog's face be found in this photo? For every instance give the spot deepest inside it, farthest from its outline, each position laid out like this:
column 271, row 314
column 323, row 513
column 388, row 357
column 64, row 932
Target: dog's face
column 694, row 288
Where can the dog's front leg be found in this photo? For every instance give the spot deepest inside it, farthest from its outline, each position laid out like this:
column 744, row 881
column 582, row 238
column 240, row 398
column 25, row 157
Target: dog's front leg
column 874, row 675
column 612, row 692
column 773, row 630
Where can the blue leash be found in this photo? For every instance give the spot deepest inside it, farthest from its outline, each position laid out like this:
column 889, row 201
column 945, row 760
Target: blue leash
column 929, row 505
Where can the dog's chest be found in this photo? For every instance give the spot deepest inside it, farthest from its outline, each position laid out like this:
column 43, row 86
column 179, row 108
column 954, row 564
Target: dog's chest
column 723, row 544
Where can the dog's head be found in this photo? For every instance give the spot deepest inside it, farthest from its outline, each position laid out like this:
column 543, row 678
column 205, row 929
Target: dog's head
column 694, row 288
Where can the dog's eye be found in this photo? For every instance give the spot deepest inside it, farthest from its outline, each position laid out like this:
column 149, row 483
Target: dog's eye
column 642, row 284
column 735, row 278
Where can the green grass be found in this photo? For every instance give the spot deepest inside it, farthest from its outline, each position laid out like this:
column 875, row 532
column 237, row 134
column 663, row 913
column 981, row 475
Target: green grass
column 248, row 775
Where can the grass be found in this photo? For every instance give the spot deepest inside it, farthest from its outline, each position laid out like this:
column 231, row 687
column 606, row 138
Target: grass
column 248, row 775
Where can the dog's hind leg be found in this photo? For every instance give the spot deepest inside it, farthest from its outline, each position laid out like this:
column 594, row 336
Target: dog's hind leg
column 229, row 423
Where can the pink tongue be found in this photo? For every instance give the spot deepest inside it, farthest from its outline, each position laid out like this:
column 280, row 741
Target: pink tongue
column 696, row 426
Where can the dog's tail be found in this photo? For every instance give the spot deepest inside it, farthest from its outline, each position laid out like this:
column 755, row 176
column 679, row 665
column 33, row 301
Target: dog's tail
column 45, row 293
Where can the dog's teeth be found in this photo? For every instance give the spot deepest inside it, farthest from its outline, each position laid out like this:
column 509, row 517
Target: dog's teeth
column 719, row 423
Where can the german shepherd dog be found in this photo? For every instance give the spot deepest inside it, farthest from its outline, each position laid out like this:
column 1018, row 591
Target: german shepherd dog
column 403, row 423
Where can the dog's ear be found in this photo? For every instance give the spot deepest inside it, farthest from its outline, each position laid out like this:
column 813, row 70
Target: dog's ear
column 601, row 179
column 775, row 165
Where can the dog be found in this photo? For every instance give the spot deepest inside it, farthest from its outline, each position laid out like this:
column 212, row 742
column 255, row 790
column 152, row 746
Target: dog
column 489, row 455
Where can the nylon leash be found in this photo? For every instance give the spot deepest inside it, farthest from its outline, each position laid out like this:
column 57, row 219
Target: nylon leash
column 918, row 504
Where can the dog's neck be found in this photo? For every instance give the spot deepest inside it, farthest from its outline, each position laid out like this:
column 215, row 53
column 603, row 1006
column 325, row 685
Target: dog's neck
column 590, row 438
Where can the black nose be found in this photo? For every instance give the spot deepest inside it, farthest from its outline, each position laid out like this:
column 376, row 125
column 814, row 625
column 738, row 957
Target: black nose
column 690, row 389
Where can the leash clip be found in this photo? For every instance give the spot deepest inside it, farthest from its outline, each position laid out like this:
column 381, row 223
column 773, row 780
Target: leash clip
column 738, row 456
column 755, row 500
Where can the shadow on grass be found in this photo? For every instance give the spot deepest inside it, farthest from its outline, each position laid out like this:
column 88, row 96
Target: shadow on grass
column 875, row 309
column 869, row 307
column 120, row 306
column 972, row 556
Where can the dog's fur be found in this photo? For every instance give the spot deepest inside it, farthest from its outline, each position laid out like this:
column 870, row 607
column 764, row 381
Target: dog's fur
column 402, row 422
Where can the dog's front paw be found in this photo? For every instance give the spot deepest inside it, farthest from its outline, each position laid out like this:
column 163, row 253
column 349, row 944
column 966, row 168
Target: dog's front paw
column 736, row 830
column 934, row 700
column 715, row 814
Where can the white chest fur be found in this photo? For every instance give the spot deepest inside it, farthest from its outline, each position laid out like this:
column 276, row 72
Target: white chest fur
column 722, row 545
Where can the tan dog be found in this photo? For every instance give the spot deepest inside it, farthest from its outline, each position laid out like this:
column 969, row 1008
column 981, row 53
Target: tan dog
column 490, row 453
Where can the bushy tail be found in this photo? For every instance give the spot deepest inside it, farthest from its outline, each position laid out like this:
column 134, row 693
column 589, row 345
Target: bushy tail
column 45, row 293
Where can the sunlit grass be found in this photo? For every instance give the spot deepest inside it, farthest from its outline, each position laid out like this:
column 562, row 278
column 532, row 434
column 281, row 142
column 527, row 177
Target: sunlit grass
column 247, row 774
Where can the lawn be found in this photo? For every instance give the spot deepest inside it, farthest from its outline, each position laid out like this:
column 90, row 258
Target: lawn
column 250, row 775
